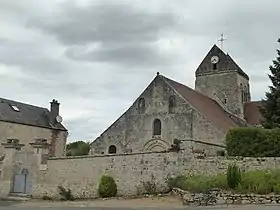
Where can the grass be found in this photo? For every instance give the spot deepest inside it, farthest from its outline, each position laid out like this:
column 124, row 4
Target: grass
column 257, row 182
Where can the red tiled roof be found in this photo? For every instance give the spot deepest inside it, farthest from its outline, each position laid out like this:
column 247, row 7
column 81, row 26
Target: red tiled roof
column 252, row 113
column 207, row 106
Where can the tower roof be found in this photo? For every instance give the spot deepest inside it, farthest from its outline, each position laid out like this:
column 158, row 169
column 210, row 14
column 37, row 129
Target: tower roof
column 226, row 63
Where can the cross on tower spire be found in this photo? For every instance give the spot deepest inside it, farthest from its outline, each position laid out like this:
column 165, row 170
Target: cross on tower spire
column 222, row 40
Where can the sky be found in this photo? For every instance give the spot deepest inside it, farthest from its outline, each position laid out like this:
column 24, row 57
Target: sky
column 96, row 57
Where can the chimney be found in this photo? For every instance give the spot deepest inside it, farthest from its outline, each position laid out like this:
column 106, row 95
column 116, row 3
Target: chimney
column 54, row 108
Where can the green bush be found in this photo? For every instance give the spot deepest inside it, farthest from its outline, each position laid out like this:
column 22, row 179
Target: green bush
column 221, row 153
column 198, row 184
column 258, row 182
column 253, row 142
column 66, row 195
column 261, row 182
column 233, row 176
column 107, row 187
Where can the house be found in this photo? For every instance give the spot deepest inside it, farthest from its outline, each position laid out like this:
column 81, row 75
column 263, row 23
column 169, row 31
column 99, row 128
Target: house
column 167, row 110
column 25, row 122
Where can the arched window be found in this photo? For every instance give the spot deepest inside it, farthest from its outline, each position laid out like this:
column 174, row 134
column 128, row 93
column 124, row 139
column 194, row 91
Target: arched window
column 112, row 149
column 141, row 105
column 157, row 127
column 171, row 105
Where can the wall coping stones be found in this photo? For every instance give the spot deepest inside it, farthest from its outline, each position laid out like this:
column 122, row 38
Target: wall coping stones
column 110, row 155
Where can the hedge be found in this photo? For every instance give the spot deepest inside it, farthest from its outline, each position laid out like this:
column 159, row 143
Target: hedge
column 253, row 142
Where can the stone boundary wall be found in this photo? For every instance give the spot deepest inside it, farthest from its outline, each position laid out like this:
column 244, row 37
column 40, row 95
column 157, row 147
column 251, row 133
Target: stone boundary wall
column 219, row 197
column 132, row 171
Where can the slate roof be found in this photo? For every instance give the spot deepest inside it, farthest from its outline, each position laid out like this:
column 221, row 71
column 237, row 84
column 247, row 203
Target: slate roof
column 207, row 106
column 27, row 115
column 252, row 113
column 226, row 63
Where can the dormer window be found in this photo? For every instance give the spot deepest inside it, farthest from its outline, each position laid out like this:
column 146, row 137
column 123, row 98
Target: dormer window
column 15, row 108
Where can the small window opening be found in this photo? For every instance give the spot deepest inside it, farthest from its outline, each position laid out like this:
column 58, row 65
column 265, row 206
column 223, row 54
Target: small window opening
column 171, row 104
column 225, row 101
column 243, row 96
column 141, row 105
column 15, row 108
column 157, row 127
column 214, row 66
column 112, row 149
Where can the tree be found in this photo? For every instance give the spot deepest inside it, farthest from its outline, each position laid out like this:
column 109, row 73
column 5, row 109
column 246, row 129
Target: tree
column 270, row 109
column 77, row 148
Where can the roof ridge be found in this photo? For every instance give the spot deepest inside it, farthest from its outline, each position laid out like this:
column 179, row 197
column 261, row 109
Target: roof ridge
column 19, row 102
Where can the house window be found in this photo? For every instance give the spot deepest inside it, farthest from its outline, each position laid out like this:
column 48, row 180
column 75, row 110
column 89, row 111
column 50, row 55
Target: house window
column 157, row 127
column 225, row 101
column 141, row 105
column 112, row 149
column 171, row 104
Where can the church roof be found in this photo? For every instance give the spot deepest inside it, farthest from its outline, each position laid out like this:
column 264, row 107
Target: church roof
column 252, row 113
column 26, row 114
column 226, row 63
column 207, row 106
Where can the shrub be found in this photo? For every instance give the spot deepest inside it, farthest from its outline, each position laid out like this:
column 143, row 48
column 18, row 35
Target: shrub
column 233, row 176
column 258, row 182
column 261, row 182
column 253, row 142
column 150, row 186
column 107, row 187
column 65, row 194
column 198, row 183
column 221, row 153
column 175, row 147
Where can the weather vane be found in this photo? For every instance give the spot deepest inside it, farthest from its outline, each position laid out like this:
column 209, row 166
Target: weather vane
column 222, row 40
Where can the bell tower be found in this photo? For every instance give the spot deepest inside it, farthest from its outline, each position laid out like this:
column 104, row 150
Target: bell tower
column 220, row 78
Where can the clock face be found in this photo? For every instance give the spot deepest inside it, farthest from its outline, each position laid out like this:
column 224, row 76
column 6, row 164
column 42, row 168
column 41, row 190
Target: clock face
column 215, row 59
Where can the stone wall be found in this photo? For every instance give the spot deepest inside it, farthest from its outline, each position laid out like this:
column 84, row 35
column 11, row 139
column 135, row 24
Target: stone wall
column 133, row 131
column 227, row 93
column 221, row 197
column 26, row 134
column 82, row 174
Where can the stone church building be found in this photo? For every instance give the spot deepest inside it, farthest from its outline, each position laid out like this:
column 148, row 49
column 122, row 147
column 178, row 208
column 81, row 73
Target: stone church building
column 200, row 117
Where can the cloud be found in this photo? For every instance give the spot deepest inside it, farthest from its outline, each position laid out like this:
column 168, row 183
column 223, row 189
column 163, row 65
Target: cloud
column 110, row 32
column 96, row 57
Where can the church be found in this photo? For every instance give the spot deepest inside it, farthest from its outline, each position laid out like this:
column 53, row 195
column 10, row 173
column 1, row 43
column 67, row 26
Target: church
column 200, row 118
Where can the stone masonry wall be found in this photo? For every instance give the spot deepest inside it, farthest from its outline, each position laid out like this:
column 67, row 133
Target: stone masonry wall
column 82, row 174
column 225, row 87
column 26, row 134
column 133, row 131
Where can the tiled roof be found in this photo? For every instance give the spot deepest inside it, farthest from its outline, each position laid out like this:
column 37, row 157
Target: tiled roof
column 226, row 63
column 207, row 106
column 26, row 114
column 252, row 113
